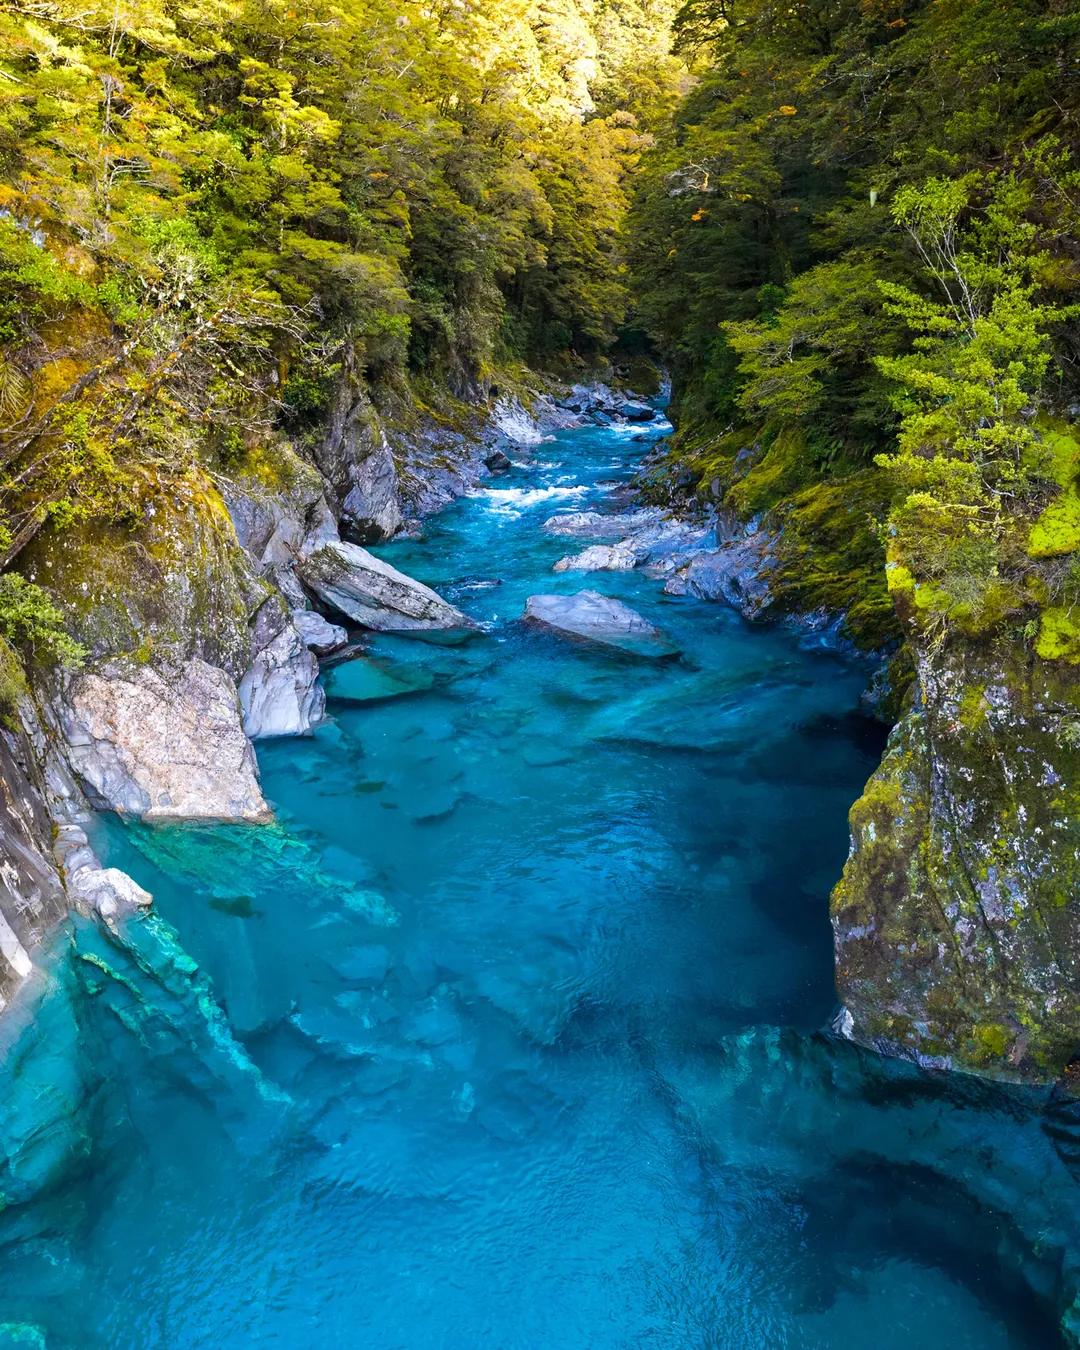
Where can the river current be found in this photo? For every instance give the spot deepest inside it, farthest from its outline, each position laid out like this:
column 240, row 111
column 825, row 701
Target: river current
column 522, row 1002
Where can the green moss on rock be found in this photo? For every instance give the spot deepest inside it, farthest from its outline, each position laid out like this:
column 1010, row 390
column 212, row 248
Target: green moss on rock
column 172, row 584
column 1057, row 531
column 957, row 920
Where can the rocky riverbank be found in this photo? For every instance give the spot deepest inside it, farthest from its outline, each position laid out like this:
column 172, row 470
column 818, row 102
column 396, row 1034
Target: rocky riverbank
column 204, row 634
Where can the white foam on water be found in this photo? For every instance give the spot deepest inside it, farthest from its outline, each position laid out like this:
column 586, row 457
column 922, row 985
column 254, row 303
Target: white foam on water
column 514, row 501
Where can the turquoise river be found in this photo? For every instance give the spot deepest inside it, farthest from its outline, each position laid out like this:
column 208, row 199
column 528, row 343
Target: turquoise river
column 508, row 1034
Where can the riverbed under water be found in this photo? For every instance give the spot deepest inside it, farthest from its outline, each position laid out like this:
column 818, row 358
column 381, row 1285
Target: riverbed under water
column 526, row 992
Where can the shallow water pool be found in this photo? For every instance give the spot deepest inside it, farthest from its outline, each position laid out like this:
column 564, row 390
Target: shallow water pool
column 521, row 1004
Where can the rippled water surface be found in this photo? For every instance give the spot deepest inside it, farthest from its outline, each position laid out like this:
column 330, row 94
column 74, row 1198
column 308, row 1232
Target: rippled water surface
column 524, row 992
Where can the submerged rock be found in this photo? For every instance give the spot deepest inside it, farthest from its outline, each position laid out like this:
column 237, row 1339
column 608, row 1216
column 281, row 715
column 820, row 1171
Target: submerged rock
column 364, row 965
column 162, row 748
column 362, row 681
column 599, row 618
column 376, row 595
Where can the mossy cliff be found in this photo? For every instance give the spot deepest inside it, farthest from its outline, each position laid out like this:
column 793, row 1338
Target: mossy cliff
column 826, row 556
column 957, row 920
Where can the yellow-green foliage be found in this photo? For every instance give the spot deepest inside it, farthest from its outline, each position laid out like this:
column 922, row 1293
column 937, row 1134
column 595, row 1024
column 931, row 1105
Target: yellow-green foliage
column 973, row 707
column 831, row 556
column 990, row 1042
column 1059, row 635
column 1057, row 531
column 12, row 682
column 209, row 212
column 1060, row 459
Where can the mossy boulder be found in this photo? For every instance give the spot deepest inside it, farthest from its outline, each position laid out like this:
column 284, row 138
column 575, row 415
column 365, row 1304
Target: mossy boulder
column 957, row 920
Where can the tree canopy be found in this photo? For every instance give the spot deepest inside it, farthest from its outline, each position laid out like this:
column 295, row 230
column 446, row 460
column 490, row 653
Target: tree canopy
column 856, row 244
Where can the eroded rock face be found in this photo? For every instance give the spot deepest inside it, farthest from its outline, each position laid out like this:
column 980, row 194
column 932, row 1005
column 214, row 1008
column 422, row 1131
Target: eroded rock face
column 280, row 693
column 737, row 572
column 176, row 586
column 957, row 921
column 32, row 899
column 598, row 618
column 162, row 748
column 357, row 463
column 516, row 424
column 376, row 595
column 279, row 520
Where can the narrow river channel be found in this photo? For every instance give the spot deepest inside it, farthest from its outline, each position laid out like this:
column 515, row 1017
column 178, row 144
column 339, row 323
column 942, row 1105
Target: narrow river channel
column 526, row 989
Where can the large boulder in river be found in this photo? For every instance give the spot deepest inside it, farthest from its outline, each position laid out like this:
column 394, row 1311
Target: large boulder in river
column 162, row 745
column 376, row 595
column 592, row 617
column 599, row 558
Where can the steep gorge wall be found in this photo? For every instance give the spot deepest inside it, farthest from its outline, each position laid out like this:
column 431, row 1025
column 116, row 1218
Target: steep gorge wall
column 957, row 921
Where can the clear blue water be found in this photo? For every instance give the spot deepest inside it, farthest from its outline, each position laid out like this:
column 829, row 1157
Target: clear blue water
column 522, row 998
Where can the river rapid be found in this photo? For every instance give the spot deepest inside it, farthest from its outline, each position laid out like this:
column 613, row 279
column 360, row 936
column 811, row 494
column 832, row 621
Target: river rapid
column 522, row 1003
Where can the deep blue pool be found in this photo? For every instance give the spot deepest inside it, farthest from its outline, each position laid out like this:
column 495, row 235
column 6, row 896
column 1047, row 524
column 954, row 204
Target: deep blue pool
column 521, row 1002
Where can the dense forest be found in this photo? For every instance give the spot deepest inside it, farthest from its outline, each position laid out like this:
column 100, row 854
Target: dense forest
column 847, row 228
column 857, row 248
column 208, row 211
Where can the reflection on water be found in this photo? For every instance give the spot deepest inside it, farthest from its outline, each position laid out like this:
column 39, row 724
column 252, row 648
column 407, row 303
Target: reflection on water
column 524, row 989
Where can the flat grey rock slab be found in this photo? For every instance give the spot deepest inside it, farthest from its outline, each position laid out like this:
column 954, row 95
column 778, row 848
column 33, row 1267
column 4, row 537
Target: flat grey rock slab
column 592, row 617
column 595, row 525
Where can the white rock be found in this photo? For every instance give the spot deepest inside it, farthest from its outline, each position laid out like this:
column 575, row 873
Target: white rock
column 598, row 618
column 599, row 558
column 593, row 525
column 516, row 424
column 108, row 890
column 162, row 748
column 280, row 694
column 320, row 635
